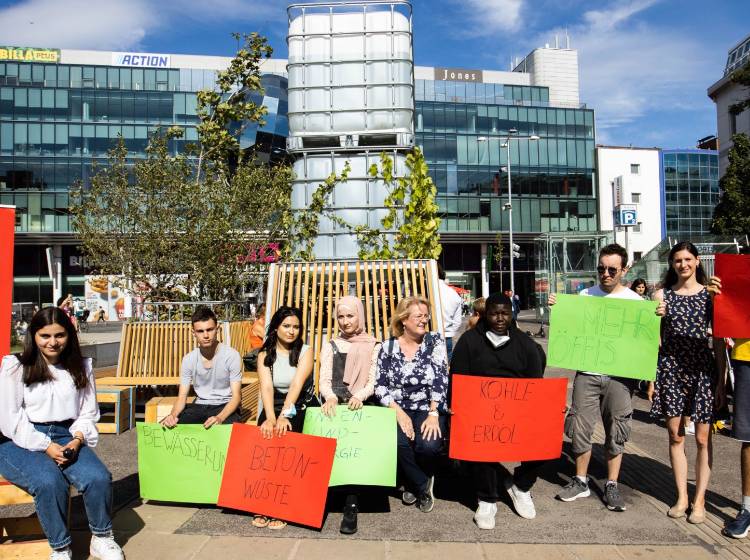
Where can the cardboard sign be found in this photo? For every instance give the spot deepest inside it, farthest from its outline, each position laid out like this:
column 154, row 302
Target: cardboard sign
column 283, row 477
column 613, row 336
column 365, row 444
column 181, row 464
column 506, row 418
column 732, row 306
column 7, row 232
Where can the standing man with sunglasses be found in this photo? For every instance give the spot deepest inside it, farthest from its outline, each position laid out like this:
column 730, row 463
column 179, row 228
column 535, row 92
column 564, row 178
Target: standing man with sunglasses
column 601, row 396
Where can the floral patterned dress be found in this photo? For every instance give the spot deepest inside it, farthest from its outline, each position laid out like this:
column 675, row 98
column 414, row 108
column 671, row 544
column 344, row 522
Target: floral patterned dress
column 412, row 384
column 686, row 368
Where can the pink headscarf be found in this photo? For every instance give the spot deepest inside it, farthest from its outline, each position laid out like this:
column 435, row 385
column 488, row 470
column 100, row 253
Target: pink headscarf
column 358, row 359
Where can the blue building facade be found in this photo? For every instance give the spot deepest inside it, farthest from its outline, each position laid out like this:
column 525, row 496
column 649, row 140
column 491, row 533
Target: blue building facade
column 690, row 191
column 60, row 115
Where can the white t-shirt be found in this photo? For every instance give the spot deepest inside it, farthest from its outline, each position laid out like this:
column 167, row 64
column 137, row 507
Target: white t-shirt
column 596, row 291
column 452, row 312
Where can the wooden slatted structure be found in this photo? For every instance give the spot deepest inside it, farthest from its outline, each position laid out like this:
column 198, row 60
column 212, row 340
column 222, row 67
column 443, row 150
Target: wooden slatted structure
column 151, row 353
column 315, row 287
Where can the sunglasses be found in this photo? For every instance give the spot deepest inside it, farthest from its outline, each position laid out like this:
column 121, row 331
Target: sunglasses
column 611, row 270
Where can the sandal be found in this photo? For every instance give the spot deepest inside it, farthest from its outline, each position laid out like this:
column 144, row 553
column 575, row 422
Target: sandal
column 276, row 524
column 260, row 521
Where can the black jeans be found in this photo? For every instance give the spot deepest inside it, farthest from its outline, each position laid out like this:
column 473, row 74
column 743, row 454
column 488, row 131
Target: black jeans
column 199, row 413
column 417, row 457
column 488, row 482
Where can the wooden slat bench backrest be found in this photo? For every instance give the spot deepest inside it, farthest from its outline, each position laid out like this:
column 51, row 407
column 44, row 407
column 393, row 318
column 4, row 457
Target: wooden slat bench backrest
column 156, row 349
column 315, row 287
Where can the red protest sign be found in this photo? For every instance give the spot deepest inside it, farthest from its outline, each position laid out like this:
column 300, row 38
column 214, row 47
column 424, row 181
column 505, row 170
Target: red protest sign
column 507, row 419
column 283, row 477
column 732, row 306
column 7, row 231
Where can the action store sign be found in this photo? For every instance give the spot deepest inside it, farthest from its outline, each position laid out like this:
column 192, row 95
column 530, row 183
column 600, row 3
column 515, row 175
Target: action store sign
column 140, row 60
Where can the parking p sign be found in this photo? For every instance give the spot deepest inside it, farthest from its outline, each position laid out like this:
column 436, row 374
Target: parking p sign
column 627, row 216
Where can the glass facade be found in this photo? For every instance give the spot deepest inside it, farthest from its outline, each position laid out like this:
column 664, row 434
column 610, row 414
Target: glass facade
column 462, row 128
column 57, row 120
column 690, row 187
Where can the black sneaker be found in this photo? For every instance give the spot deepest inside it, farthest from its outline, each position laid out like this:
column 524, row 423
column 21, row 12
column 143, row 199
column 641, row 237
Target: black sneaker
column 612, row 497
column 427, row 498
column 349, row 522
column 408, row 498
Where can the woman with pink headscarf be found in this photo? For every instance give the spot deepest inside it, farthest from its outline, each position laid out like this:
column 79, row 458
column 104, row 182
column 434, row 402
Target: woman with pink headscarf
column 347, row 376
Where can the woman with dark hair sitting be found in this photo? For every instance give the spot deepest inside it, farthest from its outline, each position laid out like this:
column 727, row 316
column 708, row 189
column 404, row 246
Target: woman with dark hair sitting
column 284, row 366
column 497, row 348
column 48, row 415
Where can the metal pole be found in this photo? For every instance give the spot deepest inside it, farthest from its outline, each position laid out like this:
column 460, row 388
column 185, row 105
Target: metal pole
column 510, row 222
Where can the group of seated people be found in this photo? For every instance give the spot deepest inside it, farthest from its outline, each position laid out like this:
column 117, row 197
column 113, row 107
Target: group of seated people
column 409, row 372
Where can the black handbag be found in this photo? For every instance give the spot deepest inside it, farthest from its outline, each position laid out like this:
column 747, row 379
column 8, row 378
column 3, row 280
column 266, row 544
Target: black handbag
column 250, row 360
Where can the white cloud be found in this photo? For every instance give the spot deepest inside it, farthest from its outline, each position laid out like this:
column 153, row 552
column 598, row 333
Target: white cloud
column 105, row 24
column 489, row 16
column 629, row 69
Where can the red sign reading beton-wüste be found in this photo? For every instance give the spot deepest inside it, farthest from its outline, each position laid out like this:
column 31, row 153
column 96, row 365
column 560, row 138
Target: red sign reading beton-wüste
column 7, row 232
column 732, row 305
column 507, row 419
column 283, row 477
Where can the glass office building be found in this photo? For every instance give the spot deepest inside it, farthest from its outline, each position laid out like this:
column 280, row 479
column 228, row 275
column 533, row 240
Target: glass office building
column 462, row 127
column 58, row 119
column 690, row 191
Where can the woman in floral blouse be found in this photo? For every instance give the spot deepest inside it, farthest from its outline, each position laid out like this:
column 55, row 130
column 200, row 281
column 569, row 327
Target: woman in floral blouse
column 413, row 380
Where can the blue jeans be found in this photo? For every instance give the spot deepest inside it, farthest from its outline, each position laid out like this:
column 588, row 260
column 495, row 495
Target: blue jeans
column 416, row 458
column 40, row 476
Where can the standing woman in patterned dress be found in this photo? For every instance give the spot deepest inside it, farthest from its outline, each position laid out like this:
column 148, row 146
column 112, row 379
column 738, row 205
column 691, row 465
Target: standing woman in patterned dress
column 686, row 378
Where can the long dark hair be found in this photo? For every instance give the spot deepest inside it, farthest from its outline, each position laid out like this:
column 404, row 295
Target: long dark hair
column 670, row 278
column 638, row 282
column 35, row 369
column 269, row 344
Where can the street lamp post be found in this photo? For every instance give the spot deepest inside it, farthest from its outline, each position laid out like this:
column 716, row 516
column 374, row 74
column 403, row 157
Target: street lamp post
column 512, row 134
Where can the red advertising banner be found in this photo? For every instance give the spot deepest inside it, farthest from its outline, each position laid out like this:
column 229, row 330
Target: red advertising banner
column 507, row 419
column 7, row 233
column 283, row 477
column 732, row 306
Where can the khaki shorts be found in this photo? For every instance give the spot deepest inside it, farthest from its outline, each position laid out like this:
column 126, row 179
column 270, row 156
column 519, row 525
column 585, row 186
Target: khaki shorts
column 600, row 396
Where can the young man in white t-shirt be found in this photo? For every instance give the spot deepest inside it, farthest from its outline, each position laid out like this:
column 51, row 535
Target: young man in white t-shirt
column 601, row 396
column 214, row 370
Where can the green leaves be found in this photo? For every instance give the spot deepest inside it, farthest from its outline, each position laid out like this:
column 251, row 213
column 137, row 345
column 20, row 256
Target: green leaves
column 412, row 213
column 732, row 214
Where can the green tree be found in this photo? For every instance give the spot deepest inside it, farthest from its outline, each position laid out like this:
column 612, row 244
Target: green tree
column 732, row 214
column 741, row 77
column 195, row 219
column 412, row 213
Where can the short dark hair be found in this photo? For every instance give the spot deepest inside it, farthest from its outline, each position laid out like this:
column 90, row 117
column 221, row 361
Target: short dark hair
column 615, row 249
column 203, row 313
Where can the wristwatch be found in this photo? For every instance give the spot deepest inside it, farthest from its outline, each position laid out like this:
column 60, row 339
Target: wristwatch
column 433, row 413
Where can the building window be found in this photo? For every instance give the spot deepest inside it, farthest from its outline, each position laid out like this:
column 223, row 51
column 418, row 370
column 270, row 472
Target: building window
column 732, row 124
column 637, row 255
column 635, row 198
column 635, row 168
column 637, row 228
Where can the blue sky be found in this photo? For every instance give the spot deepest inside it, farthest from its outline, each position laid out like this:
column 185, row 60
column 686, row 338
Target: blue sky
column 644, row 64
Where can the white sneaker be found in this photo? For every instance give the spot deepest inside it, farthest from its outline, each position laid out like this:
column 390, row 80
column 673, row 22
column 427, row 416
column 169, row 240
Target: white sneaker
column 522, row 501
column 61, row 554
column 485, row 515
column 105, row 548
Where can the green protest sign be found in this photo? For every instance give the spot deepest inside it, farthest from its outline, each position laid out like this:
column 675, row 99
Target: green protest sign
column 365, row 444
column 607, row 335
column 182, row 464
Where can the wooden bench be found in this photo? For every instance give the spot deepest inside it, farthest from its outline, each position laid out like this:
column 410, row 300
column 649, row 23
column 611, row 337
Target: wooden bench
column 15, row 529
column 123, row 399
column 315, row 287
column 151, row 354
